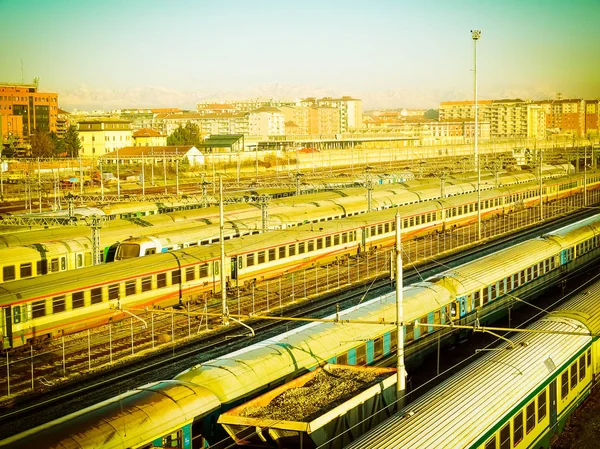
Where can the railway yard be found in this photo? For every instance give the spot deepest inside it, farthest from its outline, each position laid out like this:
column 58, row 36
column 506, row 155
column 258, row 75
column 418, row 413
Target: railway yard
column 107, row 305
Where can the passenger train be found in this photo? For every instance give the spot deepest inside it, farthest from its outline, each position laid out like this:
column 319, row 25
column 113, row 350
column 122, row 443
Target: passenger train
column 183, row 412
column 72, row 301
column 518, row 396
column 58, row 250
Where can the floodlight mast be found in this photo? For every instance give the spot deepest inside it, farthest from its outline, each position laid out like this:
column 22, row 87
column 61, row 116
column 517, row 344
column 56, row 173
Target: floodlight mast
column 476, row 34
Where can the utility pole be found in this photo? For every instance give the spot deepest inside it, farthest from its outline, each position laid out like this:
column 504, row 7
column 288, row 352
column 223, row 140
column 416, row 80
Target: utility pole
column 263, row 201
column 476, row 34
column 96, row 224
column 225, row 309
column 400, row 384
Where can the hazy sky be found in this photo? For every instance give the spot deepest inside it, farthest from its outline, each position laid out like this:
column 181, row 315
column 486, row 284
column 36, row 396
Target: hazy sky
column 394, row 53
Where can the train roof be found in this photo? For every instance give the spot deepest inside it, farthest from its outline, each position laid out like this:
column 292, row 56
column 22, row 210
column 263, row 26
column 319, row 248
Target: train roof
column 249, row 369
column 471, row 276
column 478, row 397
column 128, row 420
column 573, row 232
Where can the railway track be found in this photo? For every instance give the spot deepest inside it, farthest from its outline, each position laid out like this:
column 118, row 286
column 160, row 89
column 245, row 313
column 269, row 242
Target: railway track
column 173, row 358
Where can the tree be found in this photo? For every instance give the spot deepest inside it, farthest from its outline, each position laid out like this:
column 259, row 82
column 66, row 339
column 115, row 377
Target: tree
column 41, row 144
column 432, row 114
column 59, row 144
column 72, row 144
column 185, row 135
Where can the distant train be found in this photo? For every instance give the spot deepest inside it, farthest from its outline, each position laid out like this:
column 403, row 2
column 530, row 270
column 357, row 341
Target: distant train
column 92, row 293
column 184, row 412
column 58, row 250
column 519, row 395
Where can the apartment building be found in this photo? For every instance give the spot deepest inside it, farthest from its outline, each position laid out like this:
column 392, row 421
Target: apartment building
column 350, row 112
column 565, row 115
column 592, row 117
column 266, row 121
column 147, row 137
column 103, row 135
column 506, row 117
column 23, row 109
column 312, row 120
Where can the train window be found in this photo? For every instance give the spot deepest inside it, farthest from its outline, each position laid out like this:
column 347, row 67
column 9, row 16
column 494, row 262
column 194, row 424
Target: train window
column 87, row 259
column 582, row 367
column 564, row 384
column 589, row 357
column 272, row 254
column 130, row 288
column 146, row 283
column 517, row 428
column 476, row 298
column 379, row 229
column 8, row 273
column 161, row 280
column 342, row 359
column 404, row 223
column 573, row 375
column 301, row 246
column 38, row 309
column 336, row 240
column 546, row 265
column 204, row 269
column 528, row 274
column 491, row 443
column 485, row 295
column 16, row 314
column 96, row 295
column 411, row 222
column 393, row 340
column 522, row 277
column 190, row 274
column 58, row 304
column 501, row 288
column 328, row 241
column 535, row 271
column 26, row 270
column 505, row 437
column 378, row 347
column 320, row 243
column 386, row 227
column 292, row 249
column 282, row 252
column 410, row 334
column 77, row 300
column 250, row 260
column 310, row 246
column 173, row 440
column 113, row 291
column 79, row 262
column 424, row 328
column 437, row 317
column 261, row 257
column 530, row 417
column 54, row 265
column 361, row 355
column 492, row 292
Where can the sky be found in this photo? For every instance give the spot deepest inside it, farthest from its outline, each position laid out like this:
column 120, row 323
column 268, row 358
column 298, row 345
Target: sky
column 107, row 54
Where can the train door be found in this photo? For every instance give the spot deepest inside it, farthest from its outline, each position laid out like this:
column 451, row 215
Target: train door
column 552, row 404
column 462, row 300
column 564, row 256
column 6, row 328
column 234, row 266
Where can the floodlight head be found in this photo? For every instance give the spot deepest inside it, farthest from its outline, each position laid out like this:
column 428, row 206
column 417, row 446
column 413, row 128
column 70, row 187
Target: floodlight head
column 475, row 34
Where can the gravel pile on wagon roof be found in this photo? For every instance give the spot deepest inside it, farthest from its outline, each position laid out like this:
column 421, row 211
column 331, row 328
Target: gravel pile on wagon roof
column 325, row 391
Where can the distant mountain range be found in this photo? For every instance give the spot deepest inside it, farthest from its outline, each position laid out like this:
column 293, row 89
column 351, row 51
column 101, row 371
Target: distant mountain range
column 88, row 98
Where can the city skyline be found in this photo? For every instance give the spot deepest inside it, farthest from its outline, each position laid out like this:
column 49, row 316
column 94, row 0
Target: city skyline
column 105, row 55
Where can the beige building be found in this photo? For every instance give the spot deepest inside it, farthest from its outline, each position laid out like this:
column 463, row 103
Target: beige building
column 506, row 118
column 266, row 121
column 147, row 137
column 103, row 135
column 350, row 113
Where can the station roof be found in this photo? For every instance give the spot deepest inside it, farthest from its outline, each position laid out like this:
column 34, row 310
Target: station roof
column 221, row 141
